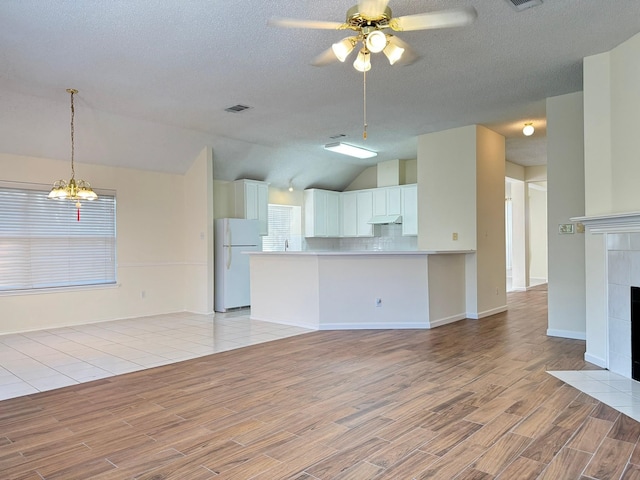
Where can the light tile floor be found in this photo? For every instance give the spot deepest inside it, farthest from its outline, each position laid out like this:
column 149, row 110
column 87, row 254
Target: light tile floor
column 617, row 391
column 42, row 360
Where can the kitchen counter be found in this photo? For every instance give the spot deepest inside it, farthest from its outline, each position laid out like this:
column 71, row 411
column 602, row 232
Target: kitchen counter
column 367, row 252
column 359, row 289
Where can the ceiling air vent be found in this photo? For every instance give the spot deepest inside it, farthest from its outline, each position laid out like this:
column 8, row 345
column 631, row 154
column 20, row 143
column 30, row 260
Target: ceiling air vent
column 237, row 108
column 520, row 5
column 339, row 135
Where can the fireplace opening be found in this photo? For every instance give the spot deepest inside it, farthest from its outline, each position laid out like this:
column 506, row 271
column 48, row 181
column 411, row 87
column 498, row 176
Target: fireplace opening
column 635, row 333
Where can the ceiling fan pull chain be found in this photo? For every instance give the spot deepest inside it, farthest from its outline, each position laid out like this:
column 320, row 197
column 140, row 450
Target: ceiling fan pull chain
column 364, row 133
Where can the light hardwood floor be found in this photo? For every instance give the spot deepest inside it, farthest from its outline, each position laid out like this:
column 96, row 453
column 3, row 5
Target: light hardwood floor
column 471, row 400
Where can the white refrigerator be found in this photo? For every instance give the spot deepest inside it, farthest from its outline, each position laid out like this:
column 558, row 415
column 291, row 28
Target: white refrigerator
column 232, row 236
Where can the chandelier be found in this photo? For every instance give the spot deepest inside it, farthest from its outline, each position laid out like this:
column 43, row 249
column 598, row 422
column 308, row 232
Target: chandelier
column 74, row 190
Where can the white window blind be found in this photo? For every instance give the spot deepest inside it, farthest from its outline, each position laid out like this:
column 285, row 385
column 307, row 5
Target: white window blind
column 42, row 245
column 284, row 226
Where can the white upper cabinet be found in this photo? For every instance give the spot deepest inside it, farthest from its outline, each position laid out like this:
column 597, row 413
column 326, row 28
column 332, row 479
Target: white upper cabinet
column 251, row 201
column 387, row 201
column 321, row 213
column 349, row 203
column 365, row 212
column 347, row 214
column 409, row 209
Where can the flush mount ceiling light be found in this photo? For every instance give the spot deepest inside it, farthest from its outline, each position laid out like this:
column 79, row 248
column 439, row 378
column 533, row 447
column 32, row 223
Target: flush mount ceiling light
column 528, row 129
column 351, row 150
column 369, row 19
column 74, row 190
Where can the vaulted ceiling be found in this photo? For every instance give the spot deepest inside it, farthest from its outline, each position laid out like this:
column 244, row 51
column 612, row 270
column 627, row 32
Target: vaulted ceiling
column 155, row 77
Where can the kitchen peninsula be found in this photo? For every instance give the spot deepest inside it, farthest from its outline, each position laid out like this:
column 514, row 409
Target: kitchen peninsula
column 339, row 290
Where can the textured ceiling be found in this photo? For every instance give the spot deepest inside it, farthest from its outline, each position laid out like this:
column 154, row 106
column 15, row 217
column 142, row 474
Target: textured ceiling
column 156, row 75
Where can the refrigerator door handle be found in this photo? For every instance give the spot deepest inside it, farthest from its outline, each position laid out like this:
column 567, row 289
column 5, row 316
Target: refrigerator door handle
column 228, row 242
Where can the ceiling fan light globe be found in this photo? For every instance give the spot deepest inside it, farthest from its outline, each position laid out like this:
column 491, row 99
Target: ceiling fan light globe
column 376, row 41
column 393, row 53
column 342, row 49
column 362, row 63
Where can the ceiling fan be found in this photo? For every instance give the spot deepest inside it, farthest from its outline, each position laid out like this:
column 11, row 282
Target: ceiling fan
column 369, row 19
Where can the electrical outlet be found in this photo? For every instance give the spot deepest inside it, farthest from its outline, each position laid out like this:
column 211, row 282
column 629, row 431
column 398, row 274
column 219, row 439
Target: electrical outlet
column 378, row 302
column 455, row 235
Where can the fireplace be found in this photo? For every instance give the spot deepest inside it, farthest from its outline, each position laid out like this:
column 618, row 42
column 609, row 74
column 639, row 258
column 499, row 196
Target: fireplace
column 612, row 335
column 635, row 333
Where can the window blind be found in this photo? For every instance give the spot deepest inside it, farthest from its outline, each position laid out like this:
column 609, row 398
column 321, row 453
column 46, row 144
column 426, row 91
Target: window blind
column 279, row 228
column 42, row 245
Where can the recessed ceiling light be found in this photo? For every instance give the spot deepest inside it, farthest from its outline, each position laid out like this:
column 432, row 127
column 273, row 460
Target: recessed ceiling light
column 351, row 150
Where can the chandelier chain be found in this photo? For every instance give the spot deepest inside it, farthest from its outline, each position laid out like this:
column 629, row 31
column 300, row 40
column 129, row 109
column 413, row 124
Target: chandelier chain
column 73, row 171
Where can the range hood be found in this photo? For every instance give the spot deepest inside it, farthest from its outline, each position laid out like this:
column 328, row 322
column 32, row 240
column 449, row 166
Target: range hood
column 385, row 219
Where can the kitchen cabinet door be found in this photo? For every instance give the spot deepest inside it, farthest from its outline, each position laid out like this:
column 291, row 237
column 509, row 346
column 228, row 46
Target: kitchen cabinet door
column 380, row 201
column 410, row 210
column 393, row 200
column 364, row 201
column 332, row 214
column 251, row 201
column 349, row 203
column 321, row 213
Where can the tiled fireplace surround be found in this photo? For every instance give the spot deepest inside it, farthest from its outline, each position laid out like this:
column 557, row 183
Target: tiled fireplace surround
column 623, row 267
column 623, row 271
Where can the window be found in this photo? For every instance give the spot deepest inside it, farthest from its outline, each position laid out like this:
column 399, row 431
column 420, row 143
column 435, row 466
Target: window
column 284, row 228
column 43, row 245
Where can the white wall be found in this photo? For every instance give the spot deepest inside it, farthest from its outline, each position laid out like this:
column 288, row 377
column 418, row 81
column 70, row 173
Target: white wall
column 490, row 259
column 150, row 247
column 611, row 168
column 198, row 235
column 514, row 171
column 461, row 176
column 538, row 230
column 565, row 197
column 446, row 176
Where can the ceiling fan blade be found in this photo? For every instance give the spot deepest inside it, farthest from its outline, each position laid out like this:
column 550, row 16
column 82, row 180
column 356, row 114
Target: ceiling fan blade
column 298, row 23
column 325, row 58
column 456, row 17
column 372, row 8
column 409, row 55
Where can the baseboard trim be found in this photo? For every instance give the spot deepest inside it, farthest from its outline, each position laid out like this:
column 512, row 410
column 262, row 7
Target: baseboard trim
column 447, row 320
column 290, row 324
column 486, row 313
column 374, row 326
column 552, row 332
column 600, row 362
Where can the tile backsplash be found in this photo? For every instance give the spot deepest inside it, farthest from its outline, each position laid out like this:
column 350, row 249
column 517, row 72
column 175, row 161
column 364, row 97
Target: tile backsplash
column 386, row 238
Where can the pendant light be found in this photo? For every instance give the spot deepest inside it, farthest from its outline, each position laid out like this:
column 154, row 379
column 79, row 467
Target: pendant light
column 74, row 190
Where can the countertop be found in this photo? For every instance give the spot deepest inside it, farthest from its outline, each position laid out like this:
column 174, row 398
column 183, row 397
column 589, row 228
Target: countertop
column 365, row 252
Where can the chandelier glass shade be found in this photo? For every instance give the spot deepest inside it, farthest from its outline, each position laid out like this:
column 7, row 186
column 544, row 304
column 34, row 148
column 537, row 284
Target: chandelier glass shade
column 376, row 41
column 74, row 190
column 362, row 62
column 373, row 42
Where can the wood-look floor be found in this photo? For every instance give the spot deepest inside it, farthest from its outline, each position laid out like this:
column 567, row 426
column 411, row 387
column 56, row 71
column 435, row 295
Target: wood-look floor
column 467, row 401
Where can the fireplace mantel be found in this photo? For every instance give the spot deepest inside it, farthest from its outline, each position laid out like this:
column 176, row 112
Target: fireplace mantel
column 611, row 223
